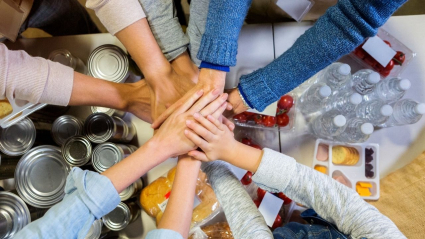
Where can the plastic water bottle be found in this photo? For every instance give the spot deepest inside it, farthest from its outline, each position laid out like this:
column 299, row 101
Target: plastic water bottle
column 389, row 90
column 312, row 99
column 375, row 112
column 364, row 81
column 406, row 111
column 336, row 75
column 328, row 125
column 344, row 102
column 357, row 131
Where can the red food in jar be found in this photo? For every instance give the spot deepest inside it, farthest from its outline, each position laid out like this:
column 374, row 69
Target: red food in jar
column 285, row 103
column 240, row 118
column 247, row 141
column 388, row 43
column 247, row 178
column 277, row 222
column 258, row 119
column 256, row 146
column 399, row 58
column 260, row 193
column 257, row 202
column 370, row 61
column 282, row 120
column 269, row 121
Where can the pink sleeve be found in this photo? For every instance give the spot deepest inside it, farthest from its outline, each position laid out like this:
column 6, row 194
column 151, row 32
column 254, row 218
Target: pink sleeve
column 34, row 79
column 116, row 14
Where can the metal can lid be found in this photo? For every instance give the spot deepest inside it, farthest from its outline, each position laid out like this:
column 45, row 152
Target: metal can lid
column 132, row 148
column 64, row 57
column 77, row 151
column 40, row 176
column 99, row 127
column 105, row 156
column 105, row 110
column 127, row 192
column 108, row 62
column 95, row 230
column 18, row 138
column 65, row 127
column 118, row 219
column 14, row 215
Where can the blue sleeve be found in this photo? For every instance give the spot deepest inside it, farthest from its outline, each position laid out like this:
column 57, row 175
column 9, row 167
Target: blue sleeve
column 88, row 196
column 335, row 34
column 219, row 44
column 163, row 234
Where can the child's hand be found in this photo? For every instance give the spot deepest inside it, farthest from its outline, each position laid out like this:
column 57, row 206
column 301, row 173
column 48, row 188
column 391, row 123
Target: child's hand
column 212, row 136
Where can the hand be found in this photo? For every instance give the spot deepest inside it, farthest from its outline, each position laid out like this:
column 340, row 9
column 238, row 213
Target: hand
column 137, row 100
column 171, row 137
column 236, row 102
column 214, row 138
column 209, row 79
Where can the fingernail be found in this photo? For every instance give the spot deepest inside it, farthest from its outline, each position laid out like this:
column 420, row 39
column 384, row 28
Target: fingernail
column 216, row 92
column 196, row 115
column 200, row 92
column 186, row 131
column 224, row 96
column 188, row 122
column 232, row 127
column 210, row 117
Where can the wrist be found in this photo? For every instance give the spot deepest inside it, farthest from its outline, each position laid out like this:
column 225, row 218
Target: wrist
column 230, row 154
column 208, row 65
column 160, row 149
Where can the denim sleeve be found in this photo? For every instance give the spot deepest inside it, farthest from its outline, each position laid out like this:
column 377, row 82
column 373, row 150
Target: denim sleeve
column 219, row 43
column 332, row 200
column 337, row 33
column 88, row 196
column 163, row 234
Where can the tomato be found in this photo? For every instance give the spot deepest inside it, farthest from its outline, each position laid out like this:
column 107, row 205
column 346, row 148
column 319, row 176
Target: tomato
column 388, row 43
column 258, row 119
column 285, row 199
column 370, row 61
column 260, row 193
column 246, row 141
column 277, row 222
column 269, row 121
column 256, row 146
column 247, row 178
column 385, row 73
column 359, row 52
column 390, row 66
column 240, row 117
column 399, row 58
column 282, row 120
column 248, row 114
column 286, row 102
column 257, row 202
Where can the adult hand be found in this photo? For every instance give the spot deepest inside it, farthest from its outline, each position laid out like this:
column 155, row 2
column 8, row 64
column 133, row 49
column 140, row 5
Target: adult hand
column 209, row 79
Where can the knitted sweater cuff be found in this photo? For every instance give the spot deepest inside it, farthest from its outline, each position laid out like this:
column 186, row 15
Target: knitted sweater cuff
column 214, row 66
column 256, row 91
column 219, row 51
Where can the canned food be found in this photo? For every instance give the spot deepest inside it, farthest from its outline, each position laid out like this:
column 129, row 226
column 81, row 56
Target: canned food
column 108, row 111
column 95, row 230
column 65, row 127
column 132, row 148
column 7, row 167
column 65, row 57
column 18, row 138
column 132, row 190
column 37, row 213
column 108, row 154
column 14, row 215
column 121, row 216
column 77, row 151
column 101, row 127
column 48, row 114
column 40, row 176
column 109, row 62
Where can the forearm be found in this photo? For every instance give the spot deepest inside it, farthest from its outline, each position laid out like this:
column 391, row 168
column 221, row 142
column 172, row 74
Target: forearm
column 136, row 165
column 241, row 213
column 178, row 214
column 337, row 33
column 245, row 157
column 331, row 200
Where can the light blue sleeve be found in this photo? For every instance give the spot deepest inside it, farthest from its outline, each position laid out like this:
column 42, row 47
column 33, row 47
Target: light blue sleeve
column 88, row 196
column 163, row 234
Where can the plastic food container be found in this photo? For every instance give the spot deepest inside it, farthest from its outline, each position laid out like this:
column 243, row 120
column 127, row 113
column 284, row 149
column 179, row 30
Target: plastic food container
column 364, row 59
column 354, row 174
column 259, row 121
column 19, row 110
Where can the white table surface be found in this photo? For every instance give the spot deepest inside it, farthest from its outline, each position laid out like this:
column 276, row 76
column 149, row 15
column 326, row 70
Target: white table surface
column 398, row 145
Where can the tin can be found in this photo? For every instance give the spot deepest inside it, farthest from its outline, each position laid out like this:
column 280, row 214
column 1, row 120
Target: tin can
column 132, row 148
column 77, row 151
column 108, row 154
column 132, row 190
column 65, row 57
column 7, row 166
column 101, row 127
column 95, row 230
column 18, row 138
column 65, row 127
column 121, row 216
column 48, row 114
column 37, row 213
column 109, row 62
column 40, row 176
column 108, row 111
column 14, row 215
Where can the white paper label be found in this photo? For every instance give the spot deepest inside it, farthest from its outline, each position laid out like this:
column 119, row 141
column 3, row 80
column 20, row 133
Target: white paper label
column 269, row 110
column 270, row 207
column 379, row 50
column 295, row 9
column 238, row 172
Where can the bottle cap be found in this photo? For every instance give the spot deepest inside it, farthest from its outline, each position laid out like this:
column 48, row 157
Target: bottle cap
column 373, row 78
column 355, row 99
column 420, row 108
column 404, row 84
column 325, row 91
column 386, row 110
column 367, row 128
column 339, row 120
column 344, row 69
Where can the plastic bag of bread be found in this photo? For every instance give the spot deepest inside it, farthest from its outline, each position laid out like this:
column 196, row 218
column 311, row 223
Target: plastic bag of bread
column 219, row 230
column 5, row 108
column 154, row 198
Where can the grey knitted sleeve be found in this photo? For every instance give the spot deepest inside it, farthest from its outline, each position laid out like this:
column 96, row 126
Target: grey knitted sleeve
column 243, row 217
column 165, row 27
column 333, row 201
